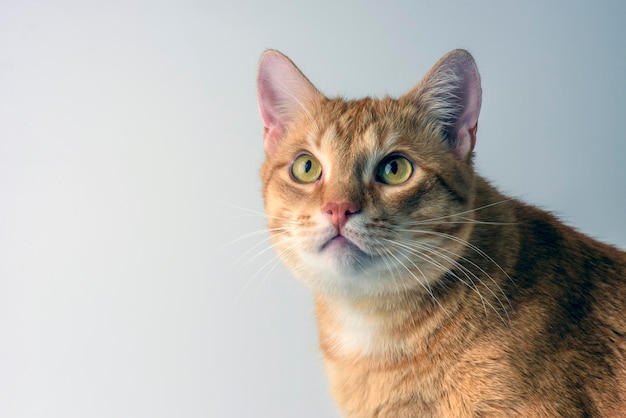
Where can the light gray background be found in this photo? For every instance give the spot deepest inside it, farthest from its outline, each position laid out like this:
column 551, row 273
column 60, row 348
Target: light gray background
column 130, row 140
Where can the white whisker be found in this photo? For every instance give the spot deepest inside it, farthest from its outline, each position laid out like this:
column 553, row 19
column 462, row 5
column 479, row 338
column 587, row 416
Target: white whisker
column 470, row 275
column 258, row 254
column 253, row 212
column 443, row 268
column 254, row 234
column 464, row 243
column 431, row 220
column 436, row 249
column 274, row 260
column 425, row 284
column 463, row 221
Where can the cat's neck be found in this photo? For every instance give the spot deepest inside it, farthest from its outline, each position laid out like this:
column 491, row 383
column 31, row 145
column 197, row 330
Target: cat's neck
column 385, row 328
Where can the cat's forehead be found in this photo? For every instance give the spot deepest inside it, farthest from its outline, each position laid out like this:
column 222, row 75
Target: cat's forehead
column 363, row 127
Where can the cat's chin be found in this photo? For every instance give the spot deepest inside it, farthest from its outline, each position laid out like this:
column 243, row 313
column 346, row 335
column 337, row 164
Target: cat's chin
column 340, row 267
column 340, row 263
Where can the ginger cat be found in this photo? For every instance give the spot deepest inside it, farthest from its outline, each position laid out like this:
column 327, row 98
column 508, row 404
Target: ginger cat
column 436, row 296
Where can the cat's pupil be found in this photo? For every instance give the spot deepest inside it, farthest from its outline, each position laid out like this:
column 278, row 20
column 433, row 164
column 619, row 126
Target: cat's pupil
column 307, row 165
column 392, row 167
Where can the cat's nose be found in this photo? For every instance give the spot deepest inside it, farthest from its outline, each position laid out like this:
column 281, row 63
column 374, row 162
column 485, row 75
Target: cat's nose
column 338, row 213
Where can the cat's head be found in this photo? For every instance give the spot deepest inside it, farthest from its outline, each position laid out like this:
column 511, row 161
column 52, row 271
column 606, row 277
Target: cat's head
column 368, row 197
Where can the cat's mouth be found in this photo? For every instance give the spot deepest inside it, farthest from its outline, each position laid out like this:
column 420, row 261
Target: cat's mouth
column 340, row 243
column 337, row 240
column 342, row 255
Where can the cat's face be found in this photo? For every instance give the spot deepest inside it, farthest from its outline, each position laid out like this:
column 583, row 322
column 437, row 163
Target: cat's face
column 363, row 197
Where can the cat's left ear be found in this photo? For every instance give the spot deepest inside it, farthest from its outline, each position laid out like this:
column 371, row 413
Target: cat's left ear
column 283, row 92
column 450, row 95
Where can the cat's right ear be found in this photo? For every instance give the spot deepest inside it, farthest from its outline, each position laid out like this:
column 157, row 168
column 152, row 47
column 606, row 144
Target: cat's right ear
column 283, row 92
column 450, row 95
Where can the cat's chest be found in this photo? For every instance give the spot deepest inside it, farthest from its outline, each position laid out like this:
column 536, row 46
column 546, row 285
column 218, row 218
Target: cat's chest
column 349, row 332
column 361, row 332
column 356, row 334
column 388, row 366
column 411, row 389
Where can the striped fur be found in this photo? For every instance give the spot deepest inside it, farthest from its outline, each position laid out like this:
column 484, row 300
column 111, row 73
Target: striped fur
column 439, row 296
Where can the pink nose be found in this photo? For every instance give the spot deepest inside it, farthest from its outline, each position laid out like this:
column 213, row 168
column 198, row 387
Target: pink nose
column 339, row 212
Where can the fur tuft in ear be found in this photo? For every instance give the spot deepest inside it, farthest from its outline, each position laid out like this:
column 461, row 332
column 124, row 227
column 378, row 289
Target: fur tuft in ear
column 451, row 95
column 283, row 92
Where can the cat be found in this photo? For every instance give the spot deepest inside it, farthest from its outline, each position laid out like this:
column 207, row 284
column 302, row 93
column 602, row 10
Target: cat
column 435, row 295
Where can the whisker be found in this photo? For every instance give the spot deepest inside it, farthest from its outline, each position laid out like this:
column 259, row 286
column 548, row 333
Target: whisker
column 464, row 243
column 488, row 222
column 414, row 248
column 274, row 260
column 276, row 263
column 249, row 260
column 464, row 221
column 384, row 257
column 268, row 248
column 255, row 212
column 396, row 270
column 463, row 212
column 440, row 266
column 469, row 275
column 254, row 234
column 435, row 249
column 425, row 284
column 252, row 277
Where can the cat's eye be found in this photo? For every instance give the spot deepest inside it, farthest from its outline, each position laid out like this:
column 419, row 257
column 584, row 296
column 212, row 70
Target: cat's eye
column 306, row 169
column 393, row 170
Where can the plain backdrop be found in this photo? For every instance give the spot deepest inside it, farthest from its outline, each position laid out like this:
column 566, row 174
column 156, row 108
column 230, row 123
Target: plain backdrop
column 135, row 276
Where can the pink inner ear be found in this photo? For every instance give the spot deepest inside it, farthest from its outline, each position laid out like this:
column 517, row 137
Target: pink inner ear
column 466, row 140
column 467, row 125
column 283, row 92
column 272, row 130
column 451, row 93
column 271, row 137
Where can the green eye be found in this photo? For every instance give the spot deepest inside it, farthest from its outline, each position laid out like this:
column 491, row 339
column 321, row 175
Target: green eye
column 306, row 169
column 394, row 170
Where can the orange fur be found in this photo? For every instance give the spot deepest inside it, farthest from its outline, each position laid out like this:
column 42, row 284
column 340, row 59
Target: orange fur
column 437, row 297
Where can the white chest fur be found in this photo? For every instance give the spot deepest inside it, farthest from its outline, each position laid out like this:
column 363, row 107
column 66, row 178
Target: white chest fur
column 356, row 332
